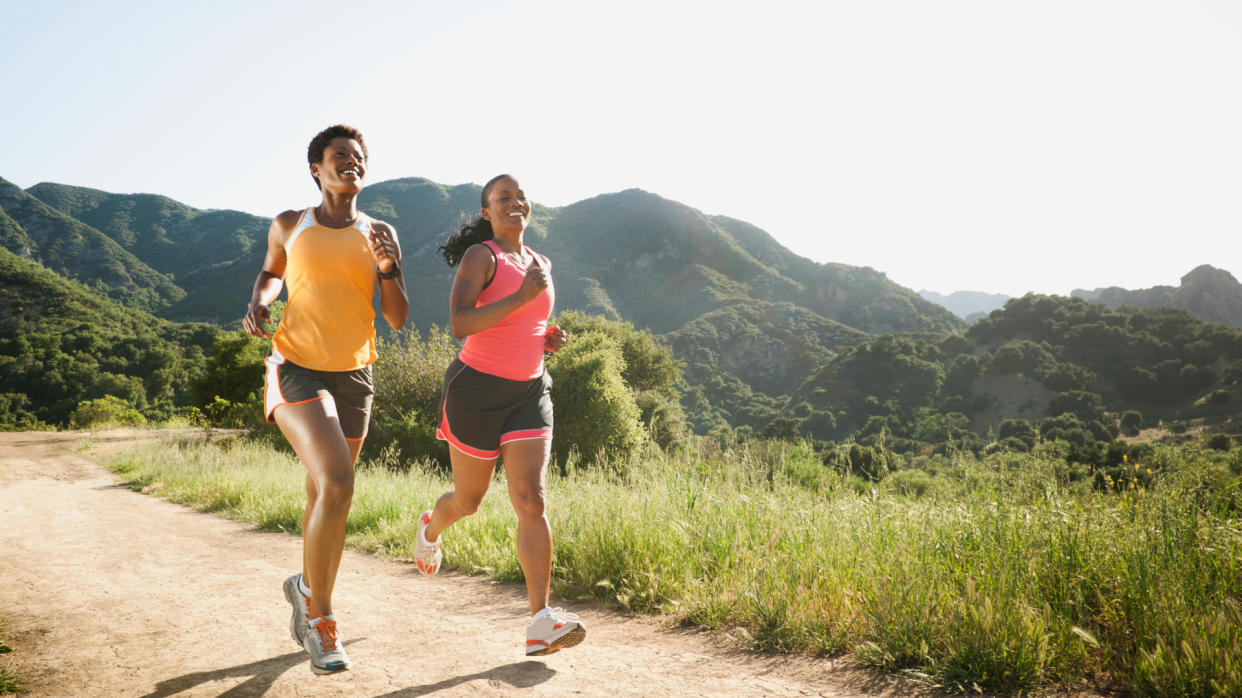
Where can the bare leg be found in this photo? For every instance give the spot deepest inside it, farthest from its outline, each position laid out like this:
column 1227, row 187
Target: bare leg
column 526, row 464
column 312, row 494
column 317, row 439
column 471, row 478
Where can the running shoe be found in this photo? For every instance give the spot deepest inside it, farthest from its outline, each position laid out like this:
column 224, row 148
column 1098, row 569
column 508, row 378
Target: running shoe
column 301, row 605
column 426, row 555
column 552, row 630
column 327, row 656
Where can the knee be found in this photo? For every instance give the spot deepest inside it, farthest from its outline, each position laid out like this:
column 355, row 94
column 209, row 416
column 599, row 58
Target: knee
column 336, row 491
column 467, row 505
column 529, row 502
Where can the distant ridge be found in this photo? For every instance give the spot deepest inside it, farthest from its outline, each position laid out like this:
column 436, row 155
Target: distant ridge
column 966, row 304
column 1206, row 292
column 31, row 229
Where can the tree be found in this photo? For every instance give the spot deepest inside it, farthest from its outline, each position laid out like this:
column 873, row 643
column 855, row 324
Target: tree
column 782, row 428
column 650, row 374
column 1086, row 406
column 596, row 414
column 1019, row 429
column 234, row 371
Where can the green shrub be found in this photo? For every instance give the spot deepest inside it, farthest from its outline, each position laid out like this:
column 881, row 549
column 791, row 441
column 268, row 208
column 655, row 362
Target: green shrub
column 1220, row 442
column 596, row 415
column 909, row 482
column 664, row 419
column 871, row 463
column 107, row 411
column 227, row 414
column 234, row 371
column 409, row 378
column 650, row 373
column 1010, row 444
column 1019, row 429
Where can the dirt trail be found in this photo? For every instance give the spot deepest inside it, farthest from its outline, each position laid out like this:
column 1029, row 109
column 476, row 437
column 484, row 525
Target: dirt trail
column 107, row 592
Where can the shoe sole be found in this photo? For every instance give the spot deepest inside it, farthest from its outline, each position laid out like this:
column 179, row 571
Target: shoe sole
column 334, row 668
column 569, row 639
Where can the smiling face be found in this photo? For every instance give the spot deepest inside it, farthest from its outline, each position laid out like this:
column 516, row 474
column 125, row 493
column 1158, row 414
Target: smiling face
column 343, row 167
column 507, row 208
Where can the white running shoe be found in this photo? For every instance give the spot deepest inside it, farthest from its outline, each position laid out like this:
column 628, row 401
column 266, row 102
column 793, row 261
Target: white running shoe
column 301, row 606
column 552, row 630
column 327, row 656
column 426, row 555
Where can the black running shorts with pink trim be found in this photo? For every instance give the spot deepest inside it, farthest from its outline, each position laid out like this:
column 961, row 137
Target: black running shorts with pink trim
column 346, row 394
column 480, row 412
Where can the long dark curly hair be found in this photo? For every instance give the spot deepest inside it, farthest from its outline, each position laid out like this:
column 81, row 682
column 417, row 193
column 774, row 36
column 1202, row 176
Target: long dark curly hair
column 472, row 232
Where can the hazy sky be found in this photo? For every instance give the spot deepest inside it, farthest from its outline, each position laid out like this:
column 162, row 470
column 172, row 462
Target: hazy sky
column 992, row 146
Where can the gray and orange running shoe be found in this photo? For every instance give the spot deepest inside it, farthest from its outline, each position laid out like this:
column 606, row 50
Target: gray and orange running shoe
column 301, row 607
column 327, row 656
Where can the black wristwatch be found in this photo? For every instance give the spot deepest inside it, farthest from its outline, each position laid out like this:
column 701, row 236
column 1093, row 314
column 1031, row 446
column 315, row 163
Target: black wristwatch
column 391, row 274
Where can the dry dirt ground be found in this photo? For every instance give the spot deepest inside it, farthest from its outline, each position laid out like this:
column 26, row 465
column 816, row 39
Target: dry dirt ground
column 107, row 592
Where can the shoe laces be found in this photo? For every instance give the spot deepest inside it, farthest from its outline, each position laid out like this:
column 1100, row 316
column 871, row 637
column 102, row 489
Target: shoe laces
column 559, row 613
column 326, row 629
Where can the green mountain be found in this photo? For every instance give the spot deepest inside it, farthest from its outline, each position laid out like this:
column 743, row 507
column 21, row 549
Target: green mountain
column 61, row 343
column 750, row 319
column 30, row 228
column 169, row 236
column 1206, row 292
column 1035, row 360
column 212, row 255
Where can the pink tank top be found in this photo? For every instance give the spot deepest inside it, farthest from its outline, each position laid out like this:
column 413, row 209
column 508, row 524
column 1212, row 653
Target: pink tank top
column 513, row 347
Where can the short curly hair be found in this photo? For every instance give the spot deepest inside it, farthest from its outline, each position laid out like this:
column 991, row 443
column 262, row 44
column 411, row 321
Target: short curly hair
column 314, row 152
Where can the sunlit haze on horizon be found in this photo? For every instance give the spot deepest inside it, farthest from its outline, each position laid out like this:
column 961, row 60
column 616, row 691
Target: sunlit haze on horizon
column 983, row 146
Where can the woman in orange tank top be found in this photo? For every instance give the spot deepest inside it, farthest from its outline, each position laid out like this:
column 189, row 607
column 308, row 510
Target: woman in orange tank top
column 497, row 396
column 319, row 387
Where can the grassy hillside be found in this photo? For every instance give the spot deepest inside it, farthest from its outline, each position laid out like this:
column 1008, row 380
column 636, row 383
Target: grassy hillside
column 212, row 255
column 1036, row 360
column 75, row 250
column 61, row 344
column 170, row 236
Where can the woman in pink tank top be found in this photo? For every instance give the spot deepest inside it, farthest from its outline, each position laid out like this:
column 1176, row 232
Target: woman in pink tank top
column 497, row 396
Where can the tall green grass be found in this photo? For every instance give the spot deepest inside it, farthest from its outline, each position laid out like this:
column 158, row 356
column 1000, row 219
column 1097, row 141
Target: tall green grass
column 9, row 682
column 995, row 575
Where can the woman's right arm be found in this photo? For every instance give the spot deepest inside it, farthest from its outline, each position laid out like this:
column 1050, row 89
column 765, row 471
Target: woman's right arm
column 271, row 278
column 473, row 272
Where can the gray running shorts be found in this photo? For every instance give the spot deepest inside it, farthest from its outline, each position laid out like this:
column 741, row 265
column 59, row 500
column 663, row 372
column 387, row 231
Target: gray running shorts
column 480, row 412
column 347, row 394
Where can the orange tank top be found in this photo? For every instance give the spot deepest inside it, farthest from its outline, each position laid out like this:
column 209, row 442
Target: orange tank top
column 329, row 322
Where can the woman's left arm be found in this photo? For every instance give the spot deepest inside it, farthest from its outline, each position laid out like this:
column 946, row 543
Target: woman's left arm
column 394, row 304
